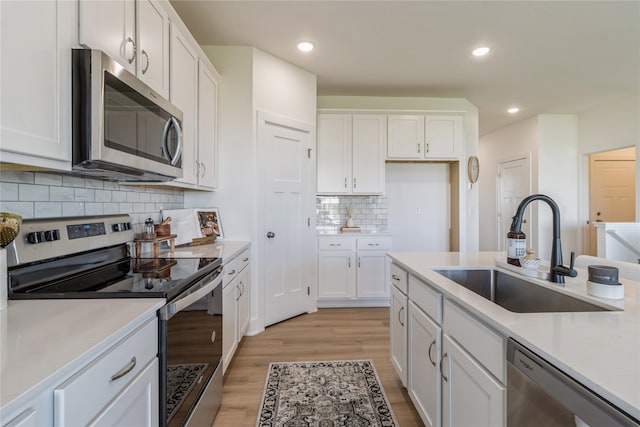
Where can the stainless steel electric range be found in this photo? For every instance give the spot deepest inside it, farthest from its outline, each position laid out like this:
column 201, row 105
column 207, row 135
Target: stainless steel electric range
column 89, row 257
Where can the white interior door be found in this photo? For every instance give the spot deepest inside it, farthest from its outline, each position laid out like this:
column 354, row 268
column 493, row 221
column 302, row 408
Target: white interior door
column 514, row 184
column 285, row 217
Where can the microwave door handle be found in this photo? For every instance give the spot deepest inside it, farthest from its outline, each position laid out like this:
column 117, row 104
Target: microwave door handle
column 165, row 140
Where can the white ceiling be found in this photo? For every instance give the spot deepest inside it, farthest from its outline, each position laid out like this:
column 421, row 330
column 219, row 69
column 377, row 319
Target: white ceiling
column 547, row 57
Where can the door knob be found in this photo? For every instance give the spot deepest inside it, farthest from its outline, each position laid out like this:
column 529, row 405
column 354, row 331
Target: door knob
column 271, row 235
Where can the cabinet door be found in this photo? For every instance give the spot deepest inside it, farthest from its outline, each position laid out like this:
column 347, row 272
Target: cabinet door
column 243, row 302
column 443, row 137
column 207, row 123
column 336, row 274
column 184, row 95
column 137, row 405
column 470, row 395
column 153, row 45
column 398, row 322
column 229, row 322
column 334, row 157
column 372, row 277
column 35, row 82
column 423, row 368
column 405, row 137
column 109, row 25
column 368, row 145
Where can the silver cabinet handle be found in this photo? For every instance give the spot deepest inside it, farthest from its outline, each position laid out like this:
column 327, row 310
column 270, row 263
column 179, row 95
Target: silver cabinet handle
column 354, row 183
column 144, row 53
column 349, row 262
column 429, row 352
column 373, row 244
column 345, row 183
column 245, row 260
column 204, row 169
column 335, row 244
column 427, row 150
column 232, row 272
column 418, row 148
column 124, row 371
column 399, row 317
column 271, row 235
column 238, row 293
column 394, row 277
column 135, row 49
column 441, row 365
column 358, row 262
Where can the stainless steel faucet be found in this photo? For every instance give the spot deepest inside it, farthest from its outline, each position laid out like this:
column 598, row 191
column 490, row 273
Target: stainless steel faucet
column 557, row 270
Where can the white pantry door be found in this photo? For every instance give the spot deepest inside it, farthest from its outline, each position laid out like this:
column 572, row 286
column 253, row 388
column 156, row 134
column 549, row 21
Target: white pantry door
column 514, row 184
column 286, row 206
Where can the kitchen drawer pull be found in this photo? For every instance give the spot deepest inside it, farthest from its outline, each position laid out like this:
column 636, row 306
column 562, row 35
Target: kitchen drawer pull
column 349, row 262
column 373, row 244
column 335, row 244
column 144, row 53
column 246, row 259
column 232, row 272
column 135, row 49
column 429, row 352
column 394, row 277
column 441, row 365
column 400, row 317
column 124, row 371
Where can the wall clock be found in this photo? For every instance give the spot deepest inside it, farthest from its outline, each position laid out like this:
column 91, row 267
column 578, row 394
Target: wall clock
column 473, row 169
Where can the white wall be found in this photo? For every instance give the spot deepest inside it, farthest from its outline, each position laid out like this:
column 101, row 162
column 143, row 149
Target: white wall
column 510, row 142
column 418, row 200
column 251, row 81
column 469, row 197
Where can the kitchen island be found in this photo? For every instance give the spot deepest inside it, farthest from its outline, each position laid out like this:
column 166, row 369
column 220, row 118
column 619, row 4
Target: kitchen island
column 599, row 349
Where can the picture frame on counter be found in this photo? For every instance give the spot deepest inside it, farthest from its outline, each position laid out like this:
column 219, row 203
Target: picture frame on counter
column 209, row 223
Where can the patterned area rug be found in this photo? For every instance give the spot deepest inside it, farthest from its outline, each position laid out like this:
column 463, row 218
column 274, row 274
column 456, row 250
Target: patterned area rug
column 180, row 381
column 324, row 394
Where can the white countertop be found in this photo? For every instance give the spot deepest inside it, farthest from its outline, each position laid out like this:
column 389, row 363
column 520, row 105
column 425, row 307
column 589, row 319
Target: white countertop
column 326, row 233
column 222, row 249
column 44, row 340
column 599, row 349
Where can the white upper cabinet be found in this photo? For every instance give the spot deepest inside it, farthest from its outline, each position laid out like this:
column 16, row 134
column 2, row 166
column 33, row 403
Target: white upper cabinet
column 153, row 46
column 421, row 137
column 351, row 154
column 207, row 125
column 133, row 32
column 184, row 95
column 35, row 82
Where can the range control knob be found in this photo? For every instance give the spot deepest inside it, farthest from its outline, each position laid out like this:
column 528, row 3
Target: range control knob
column 35, row 237
column 116, row 227
column 122, row 226
column 52, row 235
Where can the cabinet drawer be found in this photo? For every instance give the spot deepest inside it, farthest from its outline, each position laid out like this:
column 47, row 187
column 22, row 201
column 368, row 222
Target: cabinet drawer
column 428, row 299
column 373, row 243
column 336, row 243
column 480, row 341
column 230, row 271
column 399, row 278
column 81, row 397
column 243, row 259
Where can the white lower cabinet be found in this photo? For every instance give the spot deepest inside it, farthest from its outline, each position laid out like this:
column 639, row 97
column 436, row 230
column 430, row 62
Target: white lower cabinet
column 455, row 364
column 235, row 304
column 471, row 396
column 353, row 271
column 102, row 392
column 424, row 341
column 398, row 323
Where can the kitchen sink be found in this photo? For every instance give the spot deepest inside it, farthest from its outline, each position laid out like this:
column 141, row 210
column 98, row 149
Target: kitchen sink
column 516, row 294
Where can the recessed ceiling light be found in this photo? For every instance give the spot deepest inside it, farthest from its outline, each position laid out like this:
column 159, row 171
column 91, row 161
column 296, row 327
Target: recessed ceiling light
column 481, row 51
column 305, row 46
column 513, row 110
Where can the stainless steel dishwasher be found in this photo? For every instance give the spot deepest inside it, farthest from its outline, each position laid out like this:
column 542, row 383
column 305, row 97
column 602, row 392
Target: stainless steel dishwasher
column 539, row 394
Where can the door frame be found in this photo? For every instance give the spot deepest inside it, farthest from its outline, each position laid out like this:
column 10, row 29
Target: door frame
column 584, row 186
column 281, row 120
column 532, row 238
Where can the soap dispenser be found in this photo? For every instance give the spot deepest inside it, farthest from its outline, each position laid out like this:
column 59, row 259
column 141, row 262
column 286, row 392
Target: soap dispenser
column 516, row 247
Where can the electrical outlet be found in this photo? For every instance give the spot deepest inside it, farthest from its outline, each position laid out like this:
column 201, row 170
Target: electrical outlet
column 418, row 211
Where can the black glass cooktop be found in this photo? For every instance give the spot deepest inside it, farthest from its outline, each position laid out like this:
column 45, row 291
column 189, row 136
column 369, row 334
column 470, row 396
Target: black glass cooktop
column 95, row 278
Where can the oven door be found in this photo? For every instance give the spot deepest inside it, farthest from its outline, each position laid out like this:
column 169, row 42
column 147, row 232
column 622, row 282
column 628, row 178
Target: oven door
column 190, row 354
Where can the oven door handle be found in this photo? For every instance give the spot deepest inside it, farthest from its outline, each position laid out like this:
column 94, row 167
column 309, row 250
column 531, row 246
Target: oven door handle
column 174, row 307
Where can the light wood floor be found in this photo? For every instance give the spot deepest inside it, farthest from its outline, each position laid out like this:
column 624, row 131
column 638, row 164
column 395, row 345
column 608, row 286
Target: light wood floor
column 329, row 334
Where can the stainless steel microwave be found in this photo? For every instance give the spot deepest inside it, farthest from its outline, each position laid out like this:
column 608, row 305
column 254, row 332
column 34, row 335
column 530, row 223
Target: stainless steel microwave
column 122, row 129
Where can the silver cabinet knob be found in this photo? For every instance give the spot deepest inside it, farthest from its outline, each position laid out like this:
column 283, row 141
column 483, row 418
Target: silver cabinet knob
column 271, row 235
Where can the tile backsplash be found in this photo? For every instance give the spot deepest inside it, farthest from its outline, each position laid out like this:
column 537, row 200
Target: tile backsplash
column 371, row 212
column 43, row 195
